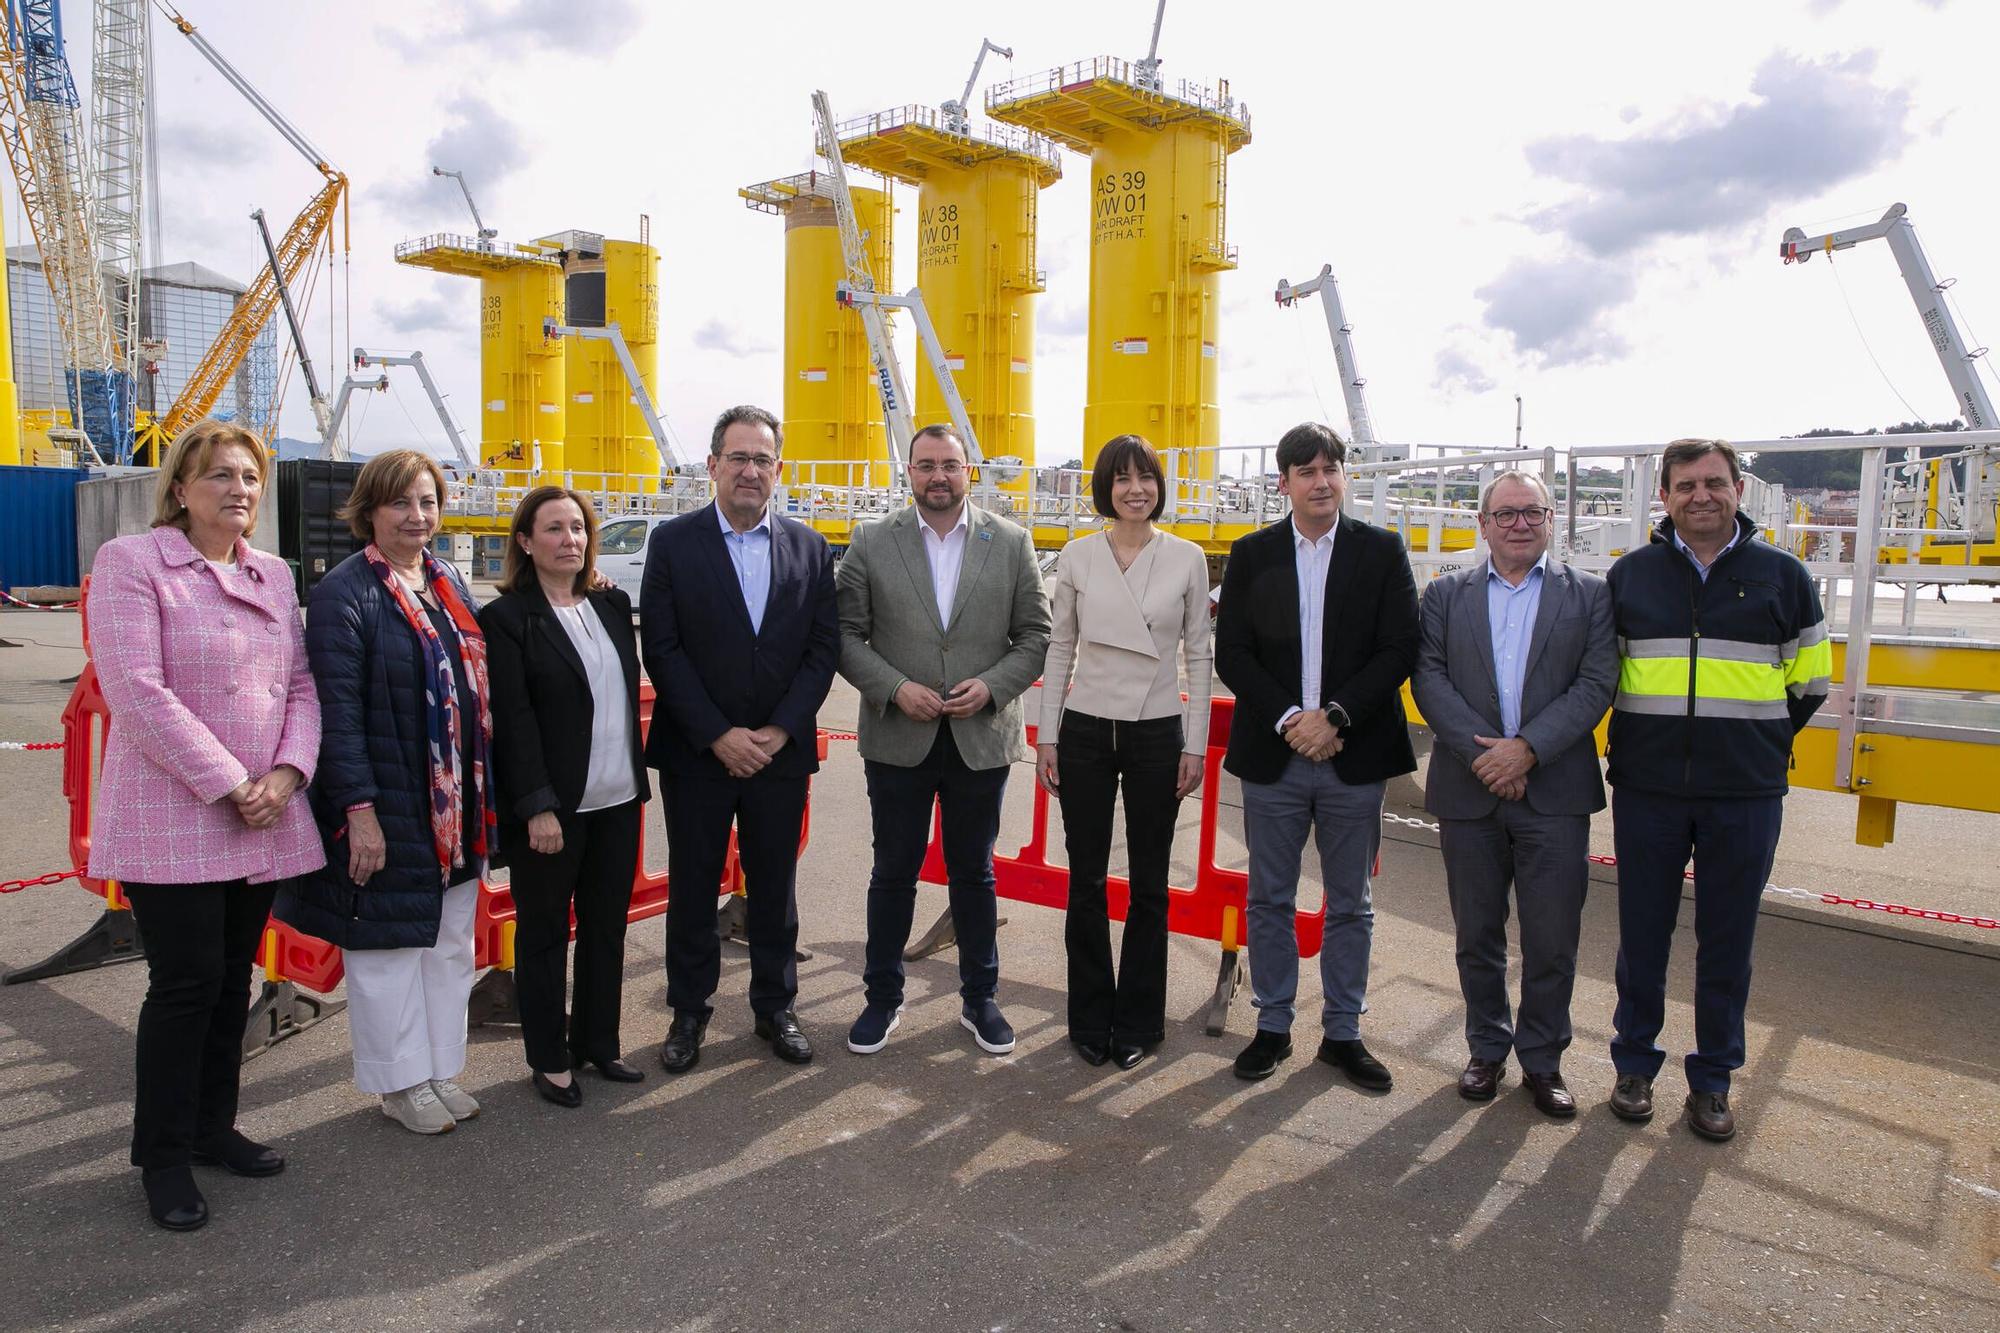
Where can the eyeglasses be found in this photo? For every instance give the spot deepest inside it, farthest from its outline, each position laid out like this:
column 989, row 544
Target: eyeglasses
column 1507, row 518
column 951, row 467
column 762, row 462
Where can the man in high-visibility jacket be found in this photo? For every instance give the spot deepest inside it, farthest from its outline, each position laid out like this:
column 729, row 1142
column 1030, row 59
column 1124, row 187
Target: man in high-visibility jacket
column 1723, row 656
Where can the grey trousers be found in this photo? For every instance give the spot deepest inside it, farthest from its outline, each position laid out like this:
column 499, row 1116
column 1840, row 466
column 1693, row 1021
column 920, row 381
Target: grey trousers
column 1346, row 823
column 1543, row 858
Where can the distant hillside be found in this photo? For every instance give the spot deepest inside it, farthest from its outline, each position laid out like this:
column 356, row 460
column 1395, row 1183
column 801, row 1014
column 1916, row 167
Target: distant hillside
column 1835, row 469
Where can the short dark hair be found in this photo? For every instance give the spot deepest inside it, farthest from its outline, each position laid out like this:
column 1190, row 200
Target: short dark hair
column 745, row 414
column 1307, row 441
column 1133, row 451
column 1686, row 451
column 942, row 431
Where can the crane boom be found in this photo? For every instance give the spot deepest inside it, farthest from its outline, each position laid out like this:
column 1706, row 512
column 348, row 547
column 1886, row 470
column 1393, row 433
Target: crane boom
column 121, row 54
column 319, row 408
column 41, row 125
column 957, row 118
column 284, row 127
column 897, row 405
column 1360, row 424
column 1960, row 363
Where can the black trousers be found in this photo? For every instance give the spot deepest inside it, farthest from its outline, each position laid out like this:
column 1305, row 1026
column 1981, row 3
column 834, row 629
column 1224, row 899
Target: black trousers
column 968, row 802
column 592, row 874
column 1094, row 757
column 200, row 940
column 767, row 813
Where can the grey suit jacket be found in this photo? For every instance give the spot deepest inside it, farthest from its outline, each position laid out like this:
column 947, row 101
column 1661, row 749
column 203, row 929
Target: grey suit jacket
column 890, row 632
column 1571, row 674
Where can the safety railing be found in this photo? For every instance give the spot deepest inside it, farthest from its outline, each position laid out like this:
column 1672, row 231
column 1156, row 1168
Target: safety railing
column 447, row 240
column 1009, row 137
column 1117, row 70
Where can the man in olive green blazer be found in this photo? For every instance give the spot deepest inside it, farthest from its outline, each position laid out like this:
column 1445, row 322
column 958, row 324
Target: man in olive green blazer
column 943, row 626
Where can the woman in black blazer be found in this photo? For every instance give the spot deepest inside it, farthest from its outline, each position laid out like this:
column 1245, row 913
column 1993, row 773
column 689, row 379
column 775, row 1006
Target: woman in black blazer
column 564, row 674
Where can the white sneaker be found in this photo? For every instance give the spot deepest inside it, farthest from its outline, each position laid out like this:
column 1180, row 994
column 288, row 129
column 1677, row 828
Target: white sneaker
column 456, row 1099
column 418, row 1110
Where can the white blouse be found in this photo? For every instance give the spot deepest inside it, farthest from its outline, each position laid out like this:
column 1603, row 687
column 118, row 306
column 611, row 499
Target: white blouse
column 609, row 781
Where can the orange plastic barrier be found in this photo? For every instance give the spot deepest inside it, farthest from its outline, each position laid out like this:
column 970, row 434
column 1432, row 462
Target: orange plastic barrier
column 1212, row 910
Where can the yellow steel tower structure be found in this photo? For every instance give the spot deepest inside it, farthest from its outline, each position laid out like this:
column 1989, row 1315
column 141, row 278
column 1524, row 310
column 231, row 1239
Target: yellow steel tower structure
column 977, row 204
column 834, row 434
column 523, row 385
column 608, row 446
column 1159, row 161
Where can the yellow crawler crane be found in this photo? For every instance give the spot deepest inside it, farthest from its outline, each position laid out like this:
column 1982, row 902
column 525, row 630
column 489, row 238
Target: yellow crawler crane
column 311, row 231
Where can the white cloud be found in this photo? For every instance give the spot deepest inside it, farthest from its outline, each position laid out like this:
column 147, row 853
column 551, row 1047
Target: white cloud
column 1555, row 308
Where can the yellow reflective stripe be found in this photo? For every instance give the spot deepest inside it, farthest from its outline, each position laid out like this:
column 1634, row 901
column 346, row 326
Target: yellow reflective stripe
column 1668, row 676
column 1811, row 672
column 1737, row 680
column 1654, row 675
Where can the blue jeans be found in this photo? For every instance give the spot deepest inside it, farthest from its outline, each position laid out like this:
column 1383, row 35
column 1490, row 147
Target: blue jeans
column 1346, row 822
column 1733, row 843
column 900, row 802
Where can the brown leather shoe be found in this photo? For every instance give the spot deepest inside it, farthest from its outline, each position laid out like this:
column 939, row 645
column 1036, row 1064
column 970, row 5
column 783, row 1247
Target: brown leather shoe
column 1481, row 1079
column 1709, row 1116
column 1632, row 1099
column 1552, row 1096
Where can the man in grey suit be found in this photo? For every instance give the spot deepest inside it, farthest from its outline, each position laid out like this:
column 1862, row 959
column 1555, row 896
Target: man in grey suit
column 1518, row 663
column 943, row 627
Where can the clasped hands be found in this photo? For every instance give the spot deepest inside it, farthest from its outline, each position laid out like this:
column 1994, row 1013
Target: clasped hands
column 1311, row 734
column 1504, row 766
column 747, row 751
column 921, row 703
column 261, row 801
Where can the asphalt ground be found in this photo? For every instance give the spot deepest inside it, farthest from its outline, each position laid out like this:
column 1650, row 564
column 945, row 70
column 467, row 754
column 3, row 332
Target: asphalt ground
column 935, row 1187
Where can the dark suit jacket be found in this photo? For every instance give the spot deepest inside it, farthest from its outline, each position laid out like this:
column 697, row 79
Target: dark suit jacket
column 542, row 705
column 1369, row 646
column 710, row 671
column 1570, row 676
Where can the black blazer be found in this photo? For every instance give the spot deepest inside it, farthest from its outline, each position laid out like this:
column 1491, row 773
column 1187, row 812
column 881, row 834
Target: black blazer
column 711, row 672
column 1369, row 649
column 542, row 705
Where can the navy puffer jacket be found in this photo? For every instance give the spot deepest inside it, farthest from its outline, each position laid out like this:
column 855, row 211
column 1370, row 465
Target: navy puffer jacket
column 369, row 668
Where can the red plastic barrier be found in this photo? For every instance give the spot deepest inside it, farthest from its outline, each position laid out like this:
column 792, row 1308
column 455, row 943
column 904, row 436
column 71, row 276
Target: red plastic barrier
column 1212, row 910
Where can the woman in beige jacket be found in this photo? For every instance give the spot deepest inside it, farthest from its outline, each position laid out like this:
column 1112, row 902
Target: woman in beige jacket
column 1129, row 609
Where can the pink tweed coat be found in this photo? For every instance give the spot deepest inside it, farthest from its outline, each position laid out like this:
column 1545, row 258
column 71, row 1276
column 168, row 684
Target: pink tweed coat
column 206, row 678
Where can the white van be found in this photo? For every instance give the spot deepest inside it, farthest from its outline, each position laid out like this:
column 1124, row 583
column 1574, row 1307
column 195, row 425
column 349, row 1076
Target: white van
column 621, row 550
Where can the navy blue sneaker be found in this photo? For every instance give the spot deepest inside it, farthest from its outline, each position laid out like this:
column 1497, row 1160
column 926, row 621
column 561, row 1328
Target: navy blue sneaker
column 982, row 1018
column 870, row 1032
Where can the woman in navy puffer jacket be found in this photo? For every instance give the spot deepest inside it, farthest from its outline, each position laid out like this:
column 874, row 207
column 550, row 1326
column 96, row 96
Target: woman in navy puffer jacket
column 402, row 794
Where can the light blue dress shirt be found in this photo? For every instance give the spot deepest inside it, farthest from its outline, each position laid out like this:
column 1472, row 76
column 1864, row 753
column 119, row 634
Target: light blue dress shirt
column 750, row 552
column 1510, row 611
column 1699, row 567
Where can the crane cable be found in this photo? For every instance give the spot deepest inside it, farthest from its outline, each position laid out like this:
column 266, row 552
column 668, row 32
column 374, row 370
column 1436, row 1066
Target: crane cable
column 1863, row 336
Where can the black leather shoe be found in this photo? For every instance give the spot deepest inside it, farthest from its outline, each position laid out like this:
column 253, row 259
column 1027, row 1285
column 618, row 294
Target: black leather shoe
column 1262, row 1055
column 1094, row 1052
column 174, row 1200
column 616, row 1071
column 570, row 1094
column 239, row 1155
column 1361, row 1068
column 1551, row 1094
column 682, row 1048
column 1125, row 1054
column 782, row 1031
column 1632, row 1099
column 1481, row 1079
column 1709, row 1116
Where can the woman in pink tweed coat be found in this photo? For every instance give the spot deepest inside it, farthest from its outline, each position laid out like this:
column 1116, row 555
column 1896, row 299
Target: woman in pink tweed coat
column 214, row 728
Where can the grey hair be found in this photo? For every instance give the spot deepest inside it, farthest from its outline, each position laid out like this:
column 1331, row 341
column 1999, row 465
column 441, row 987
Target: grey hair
column 1515, row 474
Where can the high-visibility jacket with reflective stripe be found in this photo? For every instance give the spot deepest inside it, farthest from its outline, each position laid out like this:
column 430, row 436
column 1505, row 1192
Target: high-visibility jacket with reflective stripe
column 1715, row 678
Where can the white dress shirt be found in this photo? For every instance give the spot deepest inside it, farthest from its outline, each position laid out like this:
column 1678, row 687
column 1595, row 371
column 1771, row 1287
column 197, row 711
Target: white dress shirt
column 609, row 780
column 947, row 555
column 1313, row 558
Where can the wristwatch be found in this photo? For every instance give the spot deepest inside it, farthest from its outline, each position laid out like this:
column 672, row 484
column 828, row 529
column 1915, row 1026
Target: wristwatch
column 1337, row 715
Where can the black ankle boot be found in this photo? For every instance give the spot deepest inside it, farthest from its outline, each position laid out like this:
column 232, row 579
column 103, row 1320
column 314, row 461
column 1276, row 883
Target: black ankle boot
column 174, row 1200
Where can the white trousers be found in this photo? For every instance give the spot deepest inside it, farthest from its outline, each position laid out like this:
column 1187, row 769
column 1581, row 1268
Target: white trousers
column 406, row 1007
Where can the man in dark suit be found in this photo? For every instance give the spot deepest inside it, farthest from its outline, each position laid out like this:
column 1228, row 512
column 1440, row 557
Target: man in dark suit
column 1315, row 634
column 738, row 623
column 1518, row 664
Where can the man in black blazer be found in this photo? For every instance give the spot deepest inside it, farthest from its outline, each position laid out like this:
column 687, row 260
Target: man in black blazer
column 1316, row 633
column 740, row 633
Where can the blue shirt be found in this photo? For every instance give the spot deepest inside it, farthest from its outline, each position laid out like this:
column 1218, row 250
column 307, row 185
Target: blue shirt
column 1695, row 560
column 750, row 552
column 1510, row 611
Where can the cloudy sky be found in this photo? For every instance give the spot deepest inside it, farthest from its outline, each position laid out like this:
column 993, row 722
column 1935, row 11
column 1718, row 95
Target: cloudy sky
column 1579, row 203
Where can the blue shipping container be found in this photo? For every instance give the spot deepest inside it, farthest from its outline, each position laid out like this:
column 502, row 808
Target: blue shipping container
column 38, row 526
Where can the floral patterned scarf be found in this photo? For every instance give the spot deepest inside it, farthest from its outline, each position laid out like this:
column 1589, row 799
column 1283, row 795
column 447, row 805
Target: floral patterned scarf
column 443, row 711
